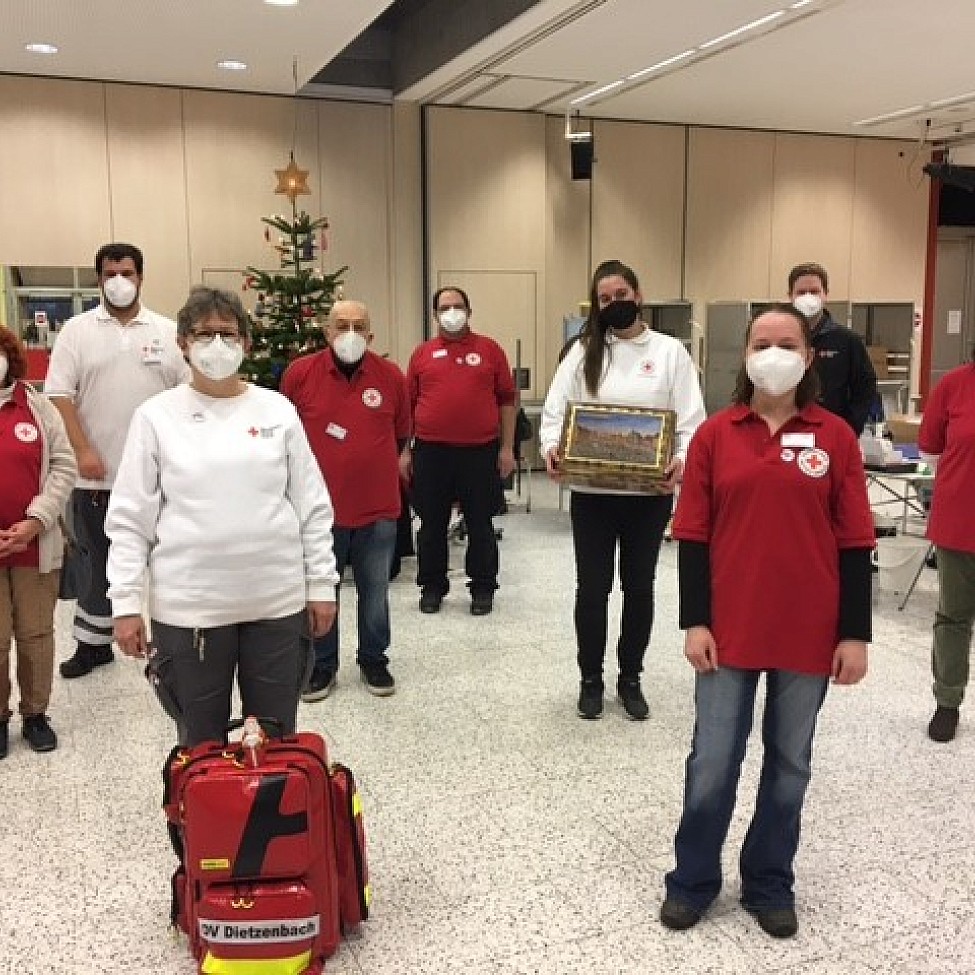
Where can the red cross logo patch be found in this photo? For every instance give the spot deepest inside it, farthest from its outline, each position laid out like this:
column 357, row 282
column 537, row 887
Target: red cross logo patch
column 814, row 462
column 472, row 359
column 372, row 398
column 25, row 432
column 647, row 367
column 254, row 431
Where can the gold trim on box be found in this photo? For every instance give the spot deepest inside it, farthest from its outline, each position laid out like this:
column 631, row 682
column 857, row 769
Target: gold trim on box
column 621, row 448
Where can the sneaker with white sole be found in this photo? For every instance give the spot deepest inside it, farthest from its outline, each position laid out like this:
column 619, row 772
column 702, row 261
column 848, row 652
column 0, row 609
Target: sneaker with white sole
column 319, row 686
column 378, row 679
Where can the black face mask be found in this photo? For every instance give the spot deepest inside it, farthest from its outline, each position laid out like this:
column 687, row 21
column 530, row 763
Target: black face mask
column 618, row 315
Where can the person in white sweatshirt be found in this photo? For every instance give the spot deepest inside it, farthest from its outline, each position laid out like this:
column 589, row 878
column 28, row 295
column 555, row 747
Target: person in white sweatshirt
column 221, row 522
column 618, row 360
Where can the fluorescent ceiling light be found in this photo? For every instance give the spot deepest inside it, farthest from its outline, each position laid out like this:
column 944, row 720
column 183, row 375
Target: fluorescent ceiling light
column 955, row 100
column 38, row 48
column 282, row 3
column 741, row 30
column 799, row 3
column 231, row 65
column 661, row 64
column 597, row 92
column 890, row 116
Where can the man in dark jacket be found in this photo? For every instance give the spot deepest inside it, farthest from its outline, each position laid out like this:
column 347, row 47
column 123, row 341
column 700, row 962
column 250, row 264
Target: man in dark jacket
column 847, row 379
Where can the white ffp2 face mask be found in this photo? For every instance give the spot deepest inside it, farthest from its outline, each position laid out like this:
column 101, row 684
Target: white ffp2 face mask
column 120, row 292
column 218, row 360
column 774, row 370
column 4, row 366
column 453, row 320
column 350, row 347
column 808, row 304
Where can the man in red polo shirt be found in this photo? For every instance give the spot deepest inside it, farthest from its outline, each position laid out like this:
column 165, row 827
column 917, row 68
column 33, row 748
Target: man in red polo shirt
column 463, row 400
column 354, row 407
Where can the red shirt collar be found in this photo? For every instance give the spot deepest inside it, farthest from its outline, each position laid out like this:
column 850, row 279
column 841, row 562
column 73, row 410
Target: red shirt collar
column 809, row 414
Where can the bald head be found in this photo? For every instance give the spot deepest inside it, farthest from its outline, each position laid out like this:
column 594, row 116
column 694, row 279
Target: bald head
column 348, row 330
column 349, row 316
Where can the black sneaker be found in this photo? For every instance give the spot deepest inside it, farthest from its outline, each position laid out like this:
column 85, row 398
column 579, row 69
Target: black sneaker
column 319, row 686
column 430, row 602
column 4, row 738
column 39, row 733
column 677, row 915
column 378, row 679
column 778, row 922
column 944, row 724
column 86, row 658
column 632, row 699
column 590, row 698
column 481, row 603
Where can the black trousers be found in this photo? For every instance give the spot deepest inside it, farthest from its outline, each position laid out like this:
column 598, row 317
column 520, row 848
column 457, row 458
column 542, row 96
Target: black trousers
column 443, row 474
column 600, row 522
column 93, row 612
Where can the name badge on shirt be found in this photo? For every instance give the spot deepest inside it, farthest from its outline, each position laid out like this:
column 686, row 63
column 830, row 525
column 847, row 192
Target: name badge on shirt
column 439, row 354
column 334, row 430
column 152, row 353
column 798, row 440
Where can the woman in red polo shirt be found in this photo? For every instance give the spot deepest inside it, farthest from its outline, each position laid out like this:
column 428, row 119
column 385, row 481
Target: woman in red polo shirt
column 775, row 538
column 39, row 472
column 948, row 433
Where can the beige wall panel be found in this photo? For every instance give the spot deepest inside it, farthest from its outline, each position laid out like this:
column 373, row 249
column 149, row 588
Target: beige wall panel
column 890, row 214
column 486, row 189
column 406, row 279
column 233, row 145
column 729, row 215
column 148, row 186
column 354, row 149
column 567, row 240
column 55, row 209
column 638, row 202
column 486, row 205
column 812, row 209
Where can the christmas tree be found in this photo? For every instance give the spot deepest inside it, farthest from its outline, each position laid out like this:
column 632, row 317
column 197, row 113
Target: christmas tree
column 292, row 300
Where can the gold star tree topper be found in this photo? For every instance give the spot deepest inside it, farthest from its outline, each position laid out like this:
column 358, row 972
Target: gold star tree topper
column 292, row 181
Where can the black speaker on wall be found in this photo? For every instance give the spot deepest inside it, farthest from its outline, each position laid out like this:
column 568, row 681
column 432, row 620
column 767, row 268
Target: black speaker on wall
column 581, row 156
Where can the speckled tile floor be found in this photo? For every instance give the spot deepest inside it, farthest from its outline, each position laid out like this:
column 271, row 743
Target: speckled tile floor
column 507, row 836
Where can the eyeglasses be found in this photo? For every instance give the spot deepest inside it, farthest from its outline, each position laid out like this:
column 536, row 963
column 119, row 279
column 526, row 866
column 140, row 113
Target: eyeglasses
column 206, row 338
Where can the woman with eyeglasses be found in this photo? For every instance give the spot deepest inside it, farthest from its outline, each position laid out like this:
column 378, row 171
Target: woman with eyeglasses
column 220, row 498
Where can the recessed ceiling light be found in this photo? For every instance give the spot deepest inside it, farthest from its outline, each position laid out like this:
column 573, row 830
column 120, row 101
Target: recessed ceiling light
column 41, row 48
column 282, row 3
column 232, row 65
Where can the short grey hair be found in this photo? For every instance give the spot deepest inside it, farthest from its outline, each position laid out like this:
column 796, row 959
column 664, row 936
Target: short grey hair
column 204, row 302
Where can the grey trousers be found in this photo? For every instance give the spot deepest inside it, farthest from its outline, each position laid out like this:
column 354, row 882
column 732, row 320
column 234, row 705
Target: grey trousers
column 953, row 626
column 270, row 659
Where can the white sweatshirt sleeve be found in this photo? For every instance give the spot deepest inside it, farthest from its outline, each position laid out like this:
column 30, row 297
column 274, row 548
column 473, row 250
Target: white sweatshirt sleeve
column 564, row 389
column 686, row 401
column 309, row 496
column 132, row 517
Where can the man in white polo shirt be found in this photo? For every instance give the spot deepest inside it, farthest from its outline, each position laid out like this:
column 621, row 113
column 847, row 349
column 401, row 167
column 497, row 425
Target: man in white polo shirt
column 105, row 363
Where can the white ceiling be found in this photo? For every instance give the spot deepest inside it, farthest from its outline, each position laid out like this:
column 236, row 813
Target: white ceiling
column 820, row 67
column 179, row 42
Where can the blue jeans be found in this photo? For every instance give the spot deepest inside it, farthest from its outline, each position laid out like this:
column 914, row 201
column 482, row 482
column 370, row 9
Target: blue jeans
column 369, row 550
column 725, row 701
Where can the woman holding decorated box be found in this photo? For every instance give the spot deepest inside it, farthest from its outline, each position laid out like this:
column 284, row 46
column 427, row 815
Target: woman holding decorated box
column 618, row 360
